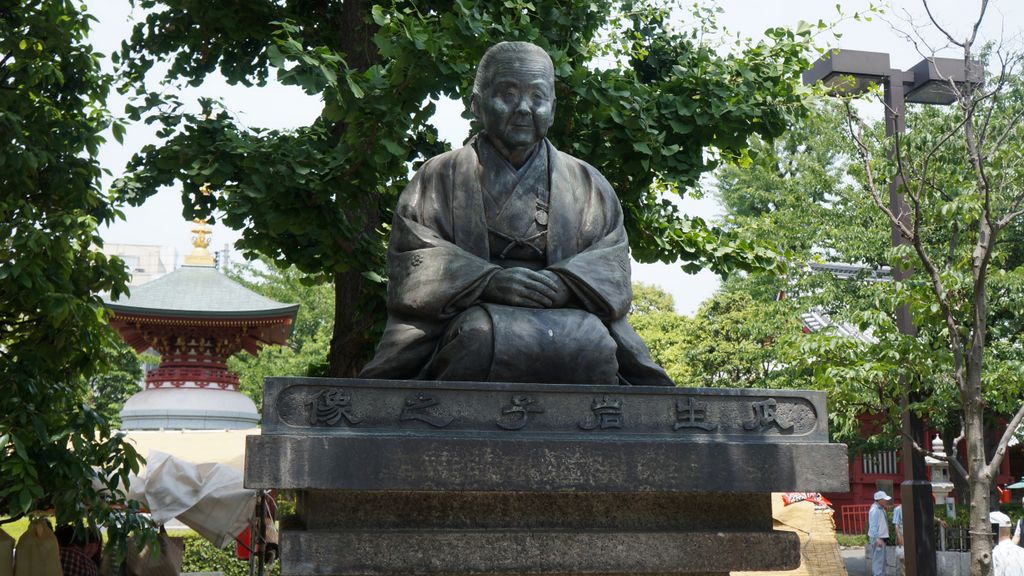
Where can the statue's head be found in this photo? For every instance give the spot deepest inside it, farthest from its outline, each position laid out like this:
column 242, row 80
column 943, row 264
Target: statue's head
column 514, row 95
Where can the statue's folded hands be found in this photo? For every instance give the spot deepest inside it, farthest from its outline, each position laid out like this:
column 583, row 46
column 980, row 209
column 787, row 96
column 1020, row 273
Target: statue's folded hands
column 524, row 287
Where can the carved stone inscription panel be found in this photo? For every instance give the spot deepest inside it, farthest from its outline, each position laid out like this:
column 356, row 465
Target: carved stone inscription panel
column 351, row 406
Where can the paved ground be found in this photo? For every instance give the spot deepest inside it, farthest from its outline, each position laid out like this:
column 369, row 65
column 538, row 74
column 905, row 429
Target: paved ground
column 853, row 558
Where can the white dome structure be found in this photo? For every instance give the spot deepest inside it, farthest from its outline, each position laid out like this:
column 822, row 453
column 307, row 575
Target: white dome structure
column 189, row 409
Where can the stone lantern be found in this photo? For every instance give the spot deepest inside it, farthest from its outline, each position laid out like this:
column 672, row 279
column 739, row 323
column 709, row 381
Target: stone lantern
column 941, row 484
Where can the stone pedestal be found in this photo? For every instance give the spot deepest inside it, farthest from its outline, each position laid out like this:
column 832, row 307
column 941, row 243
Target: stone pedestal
column 401, row 478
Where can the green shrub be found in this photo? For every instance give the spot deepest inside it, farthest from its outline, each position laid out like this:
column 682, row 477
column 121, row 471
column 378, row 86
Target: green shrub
column 852, row 540
column 202, row 556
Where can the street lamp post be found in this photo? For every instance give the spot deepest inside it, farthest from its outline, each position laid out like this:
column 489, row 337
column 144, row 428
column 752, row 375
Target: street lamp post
column 853, row 72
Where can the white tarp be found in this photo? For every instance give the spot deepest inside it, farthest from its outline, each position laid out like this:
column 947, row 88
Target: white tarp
column 209, row 497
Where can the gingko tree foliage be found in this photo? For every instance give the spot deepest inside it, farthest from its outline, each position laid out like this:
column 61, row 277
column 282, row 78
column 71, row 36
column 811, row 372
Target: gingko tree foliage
column 56, row 452
column 306, row 351
column 653, row 106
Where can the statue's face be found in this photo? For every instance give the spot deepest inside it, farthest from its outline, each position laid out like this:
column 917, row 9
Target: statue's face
column 517, row 105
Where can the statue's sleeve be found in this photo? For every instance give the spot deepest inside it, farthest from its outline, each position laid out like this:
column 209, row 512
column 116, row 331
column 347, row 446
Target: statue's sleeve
column 430, row 277
column 599, row 274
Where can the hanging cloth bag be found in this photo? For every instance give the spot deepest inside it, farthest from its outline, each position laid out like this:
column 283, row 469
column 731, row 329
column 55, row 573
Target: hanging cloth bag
column 6, row 554
column 161, row 558
column 37, row 553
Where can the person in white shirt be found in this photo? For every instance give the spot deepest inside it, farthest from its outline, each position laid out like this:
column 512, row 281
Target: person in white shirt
column 1007, row 557
column 878, row 531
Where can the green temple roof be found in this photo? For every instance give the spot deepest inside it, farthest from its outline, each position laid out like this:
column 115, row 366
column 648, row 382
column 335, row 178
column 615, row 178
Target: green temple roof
column 198, row 291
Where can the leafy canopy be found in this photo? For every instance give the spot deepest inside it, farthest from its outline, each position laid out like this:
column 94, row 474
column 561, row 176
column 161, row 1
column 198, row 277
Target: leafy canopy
column 734, row 340
column 306, row 352
column 53, row 334
column 802, row 191
column 118, row 382
column 650, row 105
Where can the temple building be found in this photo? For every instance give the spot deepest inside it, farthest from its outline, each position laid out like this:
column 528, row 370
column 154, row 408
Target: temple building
column 195, row 318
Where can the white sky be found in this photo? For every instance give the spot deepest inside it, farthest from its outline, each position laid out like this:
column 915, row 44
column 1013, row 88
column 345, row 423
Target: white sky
column 159, row 220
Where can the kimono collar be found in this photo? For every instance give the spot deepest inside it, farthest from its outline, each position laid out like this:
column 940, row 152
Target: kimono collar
column 564, row 211
column 485, row 148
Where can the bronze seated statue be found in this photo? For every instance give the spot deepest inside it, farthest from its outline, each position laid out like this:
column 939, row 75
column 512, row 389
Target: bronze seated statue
column 508, row 259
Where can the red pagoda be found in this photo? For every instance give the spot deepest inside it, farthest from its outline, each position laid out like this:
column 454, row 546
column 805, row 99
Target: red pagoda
column 196, row 318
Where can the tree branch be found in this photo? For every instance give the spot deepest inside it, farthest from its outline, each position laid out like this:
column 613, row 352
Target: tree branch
column 916, row 39
column 14, row 518
column 977, row 23
column 954, row 452
column 1011, row 126
column 935, row 149
column 994, row 93
column 950, row 459
column 862, row 151
column 1016, row 213
column 997, row 458
column 939, row 289
column 954, row 243
column 939, row 26
column 922, row 175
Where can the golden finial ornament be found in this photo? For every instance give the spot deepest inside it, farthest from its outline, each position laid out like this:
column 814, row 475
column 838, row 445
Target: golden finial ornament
column 200, row 256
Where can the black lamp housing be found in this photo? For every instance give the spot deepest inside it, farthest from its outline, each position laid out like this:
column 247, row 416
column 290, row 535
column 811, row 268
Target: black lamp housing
column 849, row 72
column 933, row 78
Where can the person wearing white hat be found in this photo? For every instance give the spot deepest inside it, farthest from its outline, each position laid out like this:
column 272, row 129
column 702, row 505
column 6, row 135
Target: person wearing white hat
column 1007, row 557
column 878, row 531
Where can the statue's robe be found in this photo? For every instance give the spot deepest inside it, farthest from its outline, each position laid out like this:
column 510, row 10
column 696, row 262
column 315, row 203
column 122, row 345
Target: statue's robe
column 463, row 217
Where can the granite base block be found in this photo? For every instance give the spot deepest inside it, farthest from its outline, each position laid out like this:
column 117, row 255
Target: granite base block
column 517, row 463
column 548, row 553
column 497, row 479
column 551, row 511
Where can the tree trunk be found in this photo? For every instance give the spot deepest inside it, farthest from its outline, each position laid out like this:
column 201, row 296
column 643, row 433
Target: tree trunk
column 981, row 530
column 353, row 340
column 980, row 483
column 974, row 407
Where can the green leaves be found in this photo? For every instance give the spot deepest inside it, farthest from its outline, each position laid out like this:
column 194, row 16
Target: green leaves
column 732, row 341
column 306, row 353
column 356, row 90
column 665, row 111
column 117, row 129
column 53, row 331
